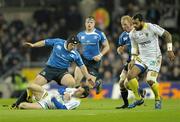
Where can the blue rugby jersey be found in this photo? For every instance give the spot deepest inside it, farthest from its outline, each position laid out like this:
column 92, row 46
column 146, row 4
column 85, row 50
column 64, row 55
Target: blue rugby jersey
column 91, row 43
column 60, row 57
column 125, row 40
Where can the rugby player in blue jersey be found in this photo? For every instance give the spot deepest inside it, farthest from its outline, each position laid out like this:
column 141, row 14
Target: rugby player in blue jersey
column 124, row 44
column 91, row 41
column 62, row 55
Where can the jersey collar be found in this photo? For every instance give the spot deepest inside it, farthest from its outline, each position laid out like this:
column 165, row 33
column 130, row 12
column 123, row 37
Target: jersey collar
column 65, row 46
column 90, row 32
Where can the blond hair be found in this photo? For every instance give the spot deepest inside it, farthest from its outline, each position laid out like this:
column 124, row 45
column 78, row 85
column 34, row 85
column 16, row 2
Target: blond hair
column 126, row 17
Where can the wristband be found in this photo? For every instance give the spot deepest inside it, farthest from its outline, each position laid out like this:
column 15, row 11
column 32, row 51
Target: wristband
column 100, row 54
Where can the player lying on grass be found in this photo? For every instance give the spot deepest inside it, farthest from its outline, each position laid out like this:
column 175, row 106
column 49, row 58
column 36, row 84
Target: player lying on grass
column 63, row 98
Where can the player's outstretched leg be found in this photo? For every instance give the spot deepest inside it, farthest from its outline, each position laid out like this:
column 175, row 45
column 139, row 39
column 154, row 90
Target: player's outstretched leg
column 24, row 97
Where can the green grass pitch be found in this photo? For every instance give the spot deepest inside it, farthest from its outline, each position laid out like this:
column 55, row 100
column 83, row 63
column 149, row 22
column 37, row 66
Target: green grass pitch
column 95, row 111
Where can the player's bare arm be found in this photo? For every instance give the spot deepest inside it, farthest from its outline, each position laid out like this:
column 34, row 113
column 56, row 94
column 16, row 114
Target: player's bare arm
column 134, row 52
column 103, row 52
column 87, row 75
column 37, row 44
column 121, row 49
column 168, row 38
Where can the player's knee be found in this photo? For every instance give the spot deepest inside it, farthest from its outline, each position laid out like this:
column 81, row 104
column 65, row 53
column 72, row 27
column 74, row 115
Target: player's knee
column 68, row 80
column 121, row 84
column 150, row 80
column 69, row 83
column 126, row 84
column 130, row 76
column 30, row 86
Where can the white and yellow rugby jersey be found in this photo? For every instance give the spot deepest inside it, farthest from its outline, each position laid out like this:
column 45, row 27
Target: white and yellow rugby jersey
column 145, row 42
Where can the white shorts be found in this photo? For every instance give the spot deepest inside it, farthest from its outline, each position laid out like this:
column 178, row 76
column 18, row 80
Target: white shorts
column 46, row 101
column 151, row 64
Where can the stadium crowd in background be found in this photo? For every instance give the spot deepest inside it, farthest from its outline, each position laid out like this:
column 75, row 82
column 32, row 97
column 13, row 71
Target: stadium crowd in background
column 62, row 20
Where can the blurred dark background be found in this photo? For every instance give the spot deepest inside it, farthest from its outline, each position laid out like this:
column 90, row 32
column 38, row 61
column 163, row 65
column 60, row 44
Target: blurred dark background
column 33, row 20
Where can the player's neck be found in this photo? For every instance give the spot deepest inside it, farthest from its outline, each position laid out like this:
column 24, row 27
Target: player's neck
column 89, row 30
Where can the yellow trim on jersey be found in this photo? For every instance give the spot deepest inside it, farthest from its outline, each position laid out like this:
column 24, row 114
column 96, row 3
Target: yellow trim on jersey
column 145, row 26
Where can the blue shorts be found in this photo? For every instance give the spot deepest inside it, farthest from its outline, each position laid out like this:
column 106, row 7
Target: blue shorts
column 51, row 73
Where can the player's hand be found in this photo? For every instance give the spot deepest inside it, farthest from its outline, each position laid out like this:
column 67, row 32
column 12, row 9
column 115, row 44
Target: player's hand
column 120, row 50
column 98, row 57
column 27, row 44
column 171, row 55
column 90, row 80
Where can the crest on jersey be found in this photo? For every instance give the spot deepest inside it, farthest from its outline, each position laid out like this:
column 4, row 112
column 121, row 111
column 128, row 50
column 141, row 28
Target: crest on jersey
column 59, row 47
column 43, row 73
column 95, row 37
column 125, row 38
column 146, row 34
column 82, row 37
column 71, row 55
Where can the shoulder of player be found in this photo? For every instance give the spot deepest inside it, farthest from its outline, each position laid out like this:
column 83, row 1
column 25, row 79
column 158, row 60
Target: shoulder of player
column 80, row 33
column 75, row 52
column 123, row 34
column 59, row 41
column 99, row 32
column 149, row 25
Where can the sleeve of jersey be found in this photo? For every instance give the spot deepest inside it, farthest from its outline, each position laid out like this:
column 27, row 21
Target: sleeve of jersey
column 61, row 90
column 70, row 91
column 157, row 29
column 120, row 41
column 72, row 104
column 79, row 60
column 79, row 36
column 103, row 37
column 134, row 46
column 50, row 42
column 58, row 104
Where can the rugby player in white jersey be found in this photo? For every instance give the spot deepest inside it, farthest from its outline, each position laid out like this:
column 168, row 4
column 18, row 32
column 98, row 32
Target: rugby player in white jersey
column 63, row 98
column 144, row 41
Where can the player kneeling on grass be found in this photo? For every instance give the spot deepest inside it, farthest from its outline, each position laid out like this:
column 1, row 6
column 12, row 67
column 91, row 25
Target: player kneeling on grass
column 63, row 98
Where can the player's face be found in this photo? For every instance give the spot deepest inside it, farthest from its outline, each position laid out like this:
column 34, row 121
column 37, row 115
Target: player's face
column 71, row 46
column 138, row 25
column 90, row 23
column 126, row 25
column 78, row 93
